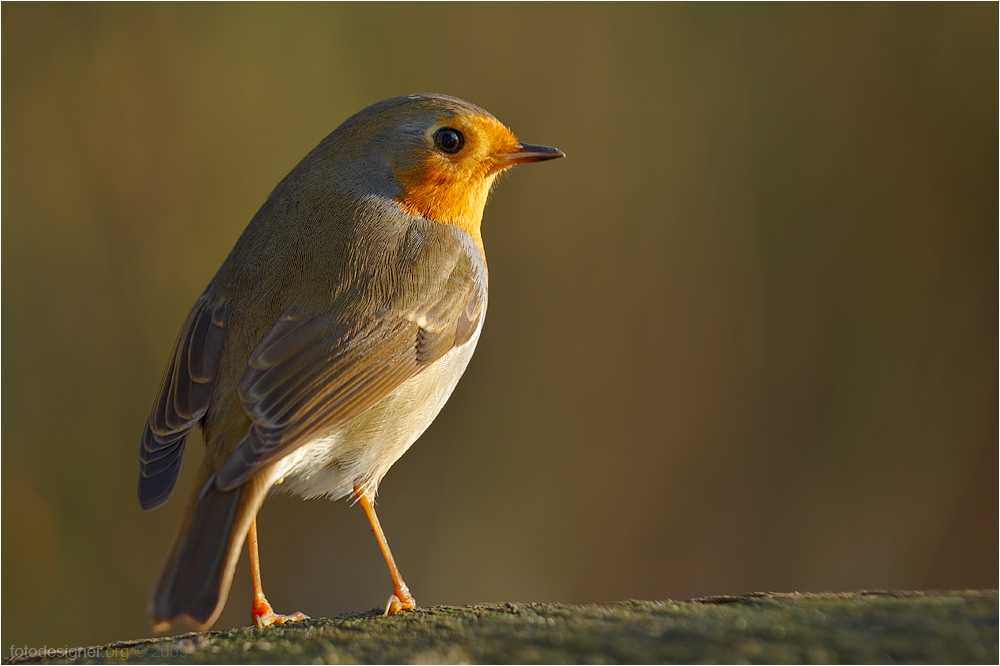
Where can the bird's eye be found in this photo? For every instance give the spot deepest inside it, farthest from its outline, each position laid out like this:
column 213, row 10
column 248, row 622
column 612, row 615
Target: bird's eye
column 449, row 140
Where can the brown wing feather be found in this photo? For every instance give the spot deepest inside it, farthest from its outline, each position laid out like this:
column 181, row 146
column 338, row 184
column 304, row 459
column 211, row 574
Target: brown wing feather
column 311, row 374
column 182, row 401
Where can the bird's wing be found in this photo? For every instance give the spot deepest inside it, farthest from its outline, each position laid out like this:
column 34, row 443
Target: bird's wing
column 182, row 401
column 314, row 372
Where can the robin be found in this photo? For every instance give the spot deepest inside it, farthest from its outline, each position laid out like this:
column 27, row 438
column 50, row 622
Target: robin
column 329, row 339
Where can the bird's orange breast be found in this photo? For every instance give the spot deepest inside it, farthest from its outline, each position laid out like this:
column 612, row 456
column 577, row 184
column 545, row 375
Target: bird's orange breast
column 444, row 196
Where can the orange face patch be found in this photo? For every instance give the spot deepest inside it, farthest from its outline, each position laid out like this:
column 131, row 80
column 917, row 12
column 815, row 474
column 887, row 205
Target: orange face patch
column 452, row 189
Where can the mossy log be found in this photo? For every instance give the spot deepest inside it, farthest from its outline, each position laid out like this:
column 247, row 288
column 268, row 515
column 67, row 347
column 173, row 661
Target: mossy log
column 862, row 627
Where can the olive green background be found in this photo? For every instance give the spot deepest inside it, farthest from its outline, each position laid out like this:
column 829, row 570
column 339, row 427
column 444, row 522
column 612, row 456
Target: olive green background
column 744, row 337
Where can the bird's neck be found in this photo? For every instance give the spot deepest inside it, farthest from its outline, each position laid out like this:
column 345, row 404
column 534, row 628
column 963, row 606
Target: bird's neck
column 440, row 200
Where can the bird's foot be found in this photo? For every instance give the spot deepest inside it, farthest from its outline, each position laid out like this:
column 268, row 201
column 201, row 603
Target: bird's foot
column 264, row 616
column 401, row 599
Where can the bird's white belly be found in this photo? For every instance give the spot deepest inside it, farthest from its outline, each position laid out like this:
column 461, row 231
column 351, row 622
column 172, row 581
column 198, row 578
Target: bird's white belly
column 360, row 452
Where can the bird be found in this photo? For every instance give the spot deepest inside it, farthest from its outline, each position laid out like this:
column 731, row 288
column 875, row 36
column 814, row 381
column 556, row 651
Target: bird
column 329, row 339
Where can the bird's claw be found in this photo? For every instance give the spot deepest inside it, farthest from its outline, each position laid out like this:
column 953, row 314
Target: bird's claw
column 263, row 616
column 399, row 600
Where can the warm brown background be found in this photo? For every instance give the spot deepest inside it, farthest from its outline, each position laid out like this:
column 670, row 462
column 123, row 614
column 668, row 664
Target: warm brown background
column 743, row 338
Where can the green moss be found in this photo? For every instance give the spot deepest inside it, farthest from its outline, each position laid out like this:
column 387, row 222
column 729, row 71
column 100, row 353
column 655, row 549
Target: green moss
column 876, row 627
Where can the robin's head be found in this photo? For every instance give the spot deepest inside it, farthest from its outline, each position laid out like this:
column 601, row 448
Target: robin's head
column 439, row 155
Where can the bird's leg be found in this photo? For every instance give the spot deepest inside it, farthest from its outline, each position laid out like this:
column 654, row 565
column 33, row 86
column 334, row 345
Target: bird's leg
column 262, row 614
column 401, row 598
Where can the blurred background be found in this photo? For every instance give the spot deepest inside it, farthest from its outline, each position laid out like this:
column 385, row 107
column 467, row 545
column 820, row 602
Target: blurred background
column 744, row 337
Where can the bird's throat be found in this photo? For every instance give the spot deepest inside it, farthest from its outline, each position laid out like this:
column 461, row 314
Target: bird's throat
column 447, row 198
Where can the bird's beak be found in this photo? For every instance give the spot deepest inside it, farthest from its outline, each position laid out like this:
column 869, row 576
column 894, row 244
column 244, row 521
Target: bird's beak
column 526, row 152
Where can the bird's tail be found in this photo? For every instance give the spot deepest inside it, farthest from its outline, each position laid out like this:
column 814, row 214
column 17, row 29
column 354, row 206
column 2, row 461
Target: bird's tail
column 195, row 579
